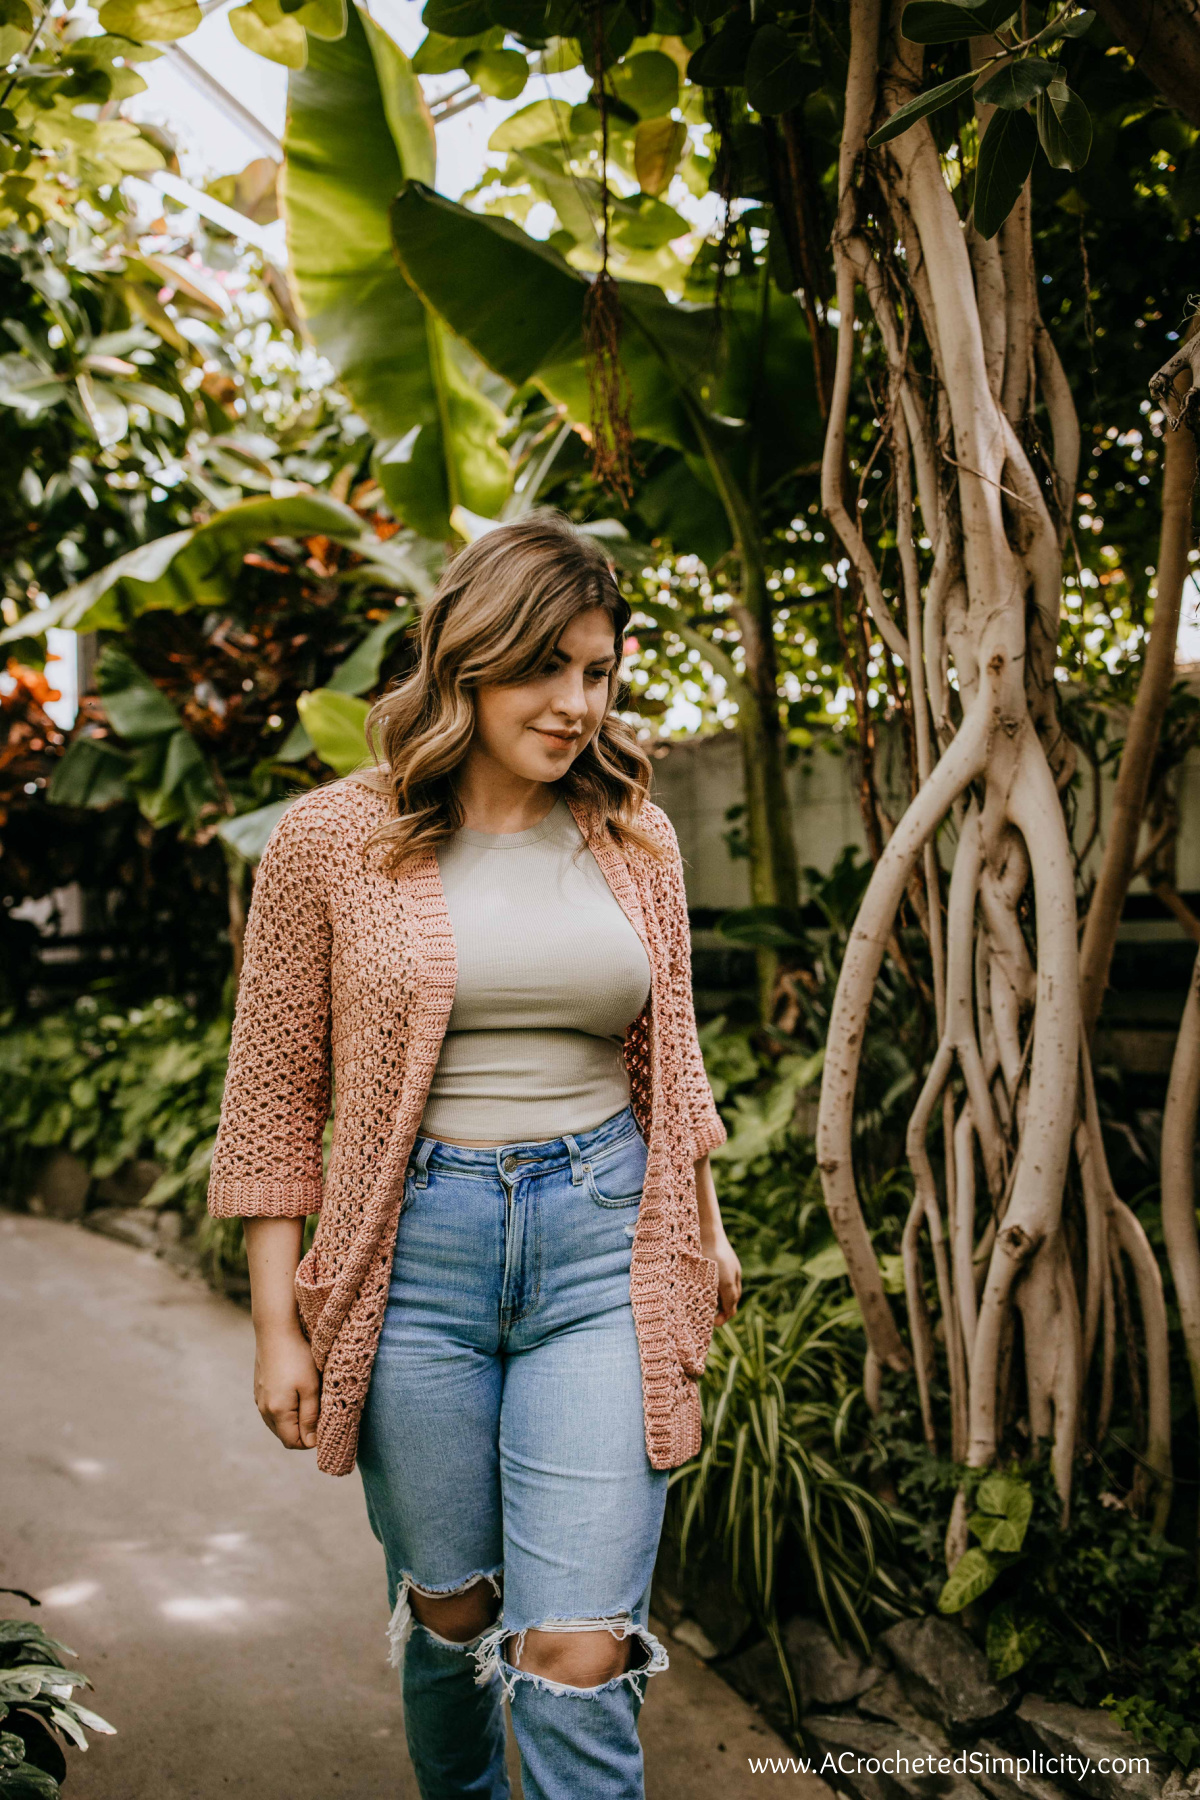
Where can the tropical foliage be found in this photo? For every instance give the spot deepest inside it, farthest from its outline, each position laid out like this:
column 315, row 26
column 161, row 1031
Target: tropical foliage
column 39, row 1710
column 633, row 313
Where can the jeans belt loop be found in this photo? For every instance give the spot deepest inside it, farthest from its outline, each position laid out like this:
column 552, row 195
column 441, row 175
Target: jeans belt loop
column 576, row 1162
column 425, row 1149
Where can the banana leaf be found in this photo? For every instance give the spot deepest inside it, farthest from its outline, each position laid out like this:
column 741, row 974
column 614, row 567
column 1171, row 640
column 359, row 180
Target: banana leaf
column 358, row 128
column 186, row 569
column 737, row 380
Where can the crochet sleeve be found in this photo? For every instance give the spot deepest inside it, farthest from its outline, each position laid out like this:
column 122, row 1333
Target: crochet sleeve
column 267, row 1161
column 707, row 1128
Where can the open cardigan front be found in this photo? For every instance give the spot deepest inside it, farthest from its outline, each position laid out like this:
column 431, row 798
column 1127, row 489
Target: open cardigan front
column 346, row 988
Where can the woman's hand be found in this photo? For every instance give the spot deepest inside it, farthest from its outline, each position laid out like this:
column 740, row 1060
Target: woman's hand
column 729, row 1275
column 715, row 1244
column 287, row 1387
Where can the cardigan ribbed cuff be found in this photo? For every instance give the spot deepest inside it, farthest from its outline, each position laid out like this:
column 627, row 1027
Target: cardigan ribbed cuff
column 291, row 1199
column 708, row 1136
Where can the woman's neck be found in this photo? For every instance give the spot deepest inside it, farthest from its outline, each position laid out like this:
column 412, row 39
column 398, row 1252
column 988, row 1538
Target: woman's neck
column 497, row 801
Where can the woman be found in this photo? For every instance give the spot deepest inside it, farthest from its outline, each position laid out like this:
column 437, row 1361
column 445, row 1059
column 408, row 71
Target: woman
column 519, row 1259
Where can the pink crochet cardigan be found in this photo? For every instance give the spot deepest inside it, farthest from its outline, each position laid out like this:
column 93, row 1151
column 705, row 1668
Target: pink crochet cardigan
column 350, row 973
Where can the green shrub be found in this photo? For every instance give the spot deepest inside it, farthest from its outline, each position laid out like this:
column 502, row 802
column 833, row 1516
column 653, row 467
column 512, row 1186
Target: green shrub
column 1103, row 1611
column 116, row 1086
column 38, row 1710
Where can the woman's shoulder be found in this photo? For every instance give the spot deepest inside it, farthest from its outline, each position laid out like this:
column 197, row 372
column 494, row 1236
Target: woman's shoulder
column 338, row 816
column 654, row 822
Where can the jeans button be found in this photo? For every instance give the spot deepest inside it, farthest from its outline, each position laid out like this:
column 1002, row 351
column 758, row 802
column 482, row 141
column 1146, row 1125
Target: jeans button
column 510, row 1165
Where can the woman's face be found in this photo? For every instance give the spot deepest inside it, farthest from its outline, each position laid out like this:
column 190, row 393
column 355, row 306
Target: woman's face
column 536, row 728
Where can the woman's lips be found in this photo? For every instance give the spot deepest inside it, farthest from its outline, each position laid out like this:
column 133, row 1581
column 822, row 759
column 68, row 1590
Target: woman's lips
column 564, row 739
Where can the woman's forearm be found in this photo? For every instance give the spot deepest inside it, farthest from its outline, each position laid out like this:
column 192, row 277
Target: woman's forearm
column 273, row 1252
column 287, row 1387
column 715, row 1244
column 709, row 1207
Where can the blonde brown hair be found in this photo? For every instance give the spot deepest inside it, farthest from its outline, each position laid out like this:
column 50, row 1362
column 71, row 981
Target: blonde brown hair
column 495, row 616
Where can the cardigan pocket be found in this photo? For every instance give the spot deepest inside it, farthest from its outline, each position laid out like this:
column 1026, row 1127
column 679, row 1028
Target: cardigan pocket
column 313, row 1286
column 696, row 1293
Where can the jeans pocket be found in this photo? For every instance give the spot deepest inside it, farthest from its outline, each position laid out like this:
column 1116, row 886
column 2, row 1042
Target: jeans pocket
column 617, row 1174
column 696, row 1296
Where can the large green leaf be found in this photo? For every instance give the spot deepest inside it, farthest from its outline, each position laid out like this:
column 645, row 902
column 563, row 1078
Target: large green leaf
column 90, row 773
column 919, row 108
column 360, row 670
column 1017, row 83
column 972, row 1575
column 522, row 313
column 193, row 568
column 166, row 774
column 358, row 128
column 1005, row 159
column 134, row 707
column 1064, row 126
column 701, row 382
column 946, row 22
column 336, row 723
column 776, row 78
column 1004, row 1508
column 248, row 833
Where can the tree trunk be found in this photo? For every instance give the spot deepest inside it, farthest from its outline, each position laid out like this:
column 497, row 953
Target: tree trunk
column 1179, row 1180
column 773, row 874
column 1145, row 724
column 1163, row 38
column 969, row 360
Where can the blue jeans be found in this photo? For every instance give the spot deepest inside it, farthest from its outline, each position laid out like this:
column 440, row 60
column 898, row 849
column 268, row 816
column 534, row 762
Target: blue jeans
column 503, row 1439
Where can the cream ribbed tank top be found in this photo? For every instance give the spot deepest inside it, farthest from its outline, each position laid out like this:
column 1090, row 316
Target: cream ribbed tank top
column 550, row 976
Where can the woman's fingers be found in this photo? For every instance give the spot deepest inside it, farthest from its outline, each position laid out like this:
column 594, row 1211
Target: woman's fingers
column 309, row 1413
column 281, row 1414
column 287, row 1388
column 729, row 1284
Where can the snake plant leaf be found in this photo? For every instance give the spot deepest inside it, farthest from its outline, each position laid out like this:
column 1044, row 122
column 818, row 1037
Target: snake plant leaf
column 190, row 568
column 358, row 128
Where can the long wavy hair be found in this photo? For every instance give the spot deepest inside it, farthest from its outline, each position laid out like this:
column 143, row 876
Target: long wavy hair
column 495, row 616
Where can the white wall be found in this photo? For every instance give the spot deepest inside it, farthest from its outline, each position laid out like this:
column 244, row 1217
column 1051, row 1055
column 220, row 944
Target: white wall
column 697, row 780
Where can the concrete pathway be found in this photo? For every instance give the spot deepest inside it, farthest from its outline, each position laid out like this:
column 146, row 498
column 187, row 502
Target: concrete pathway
column 225, row 1598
